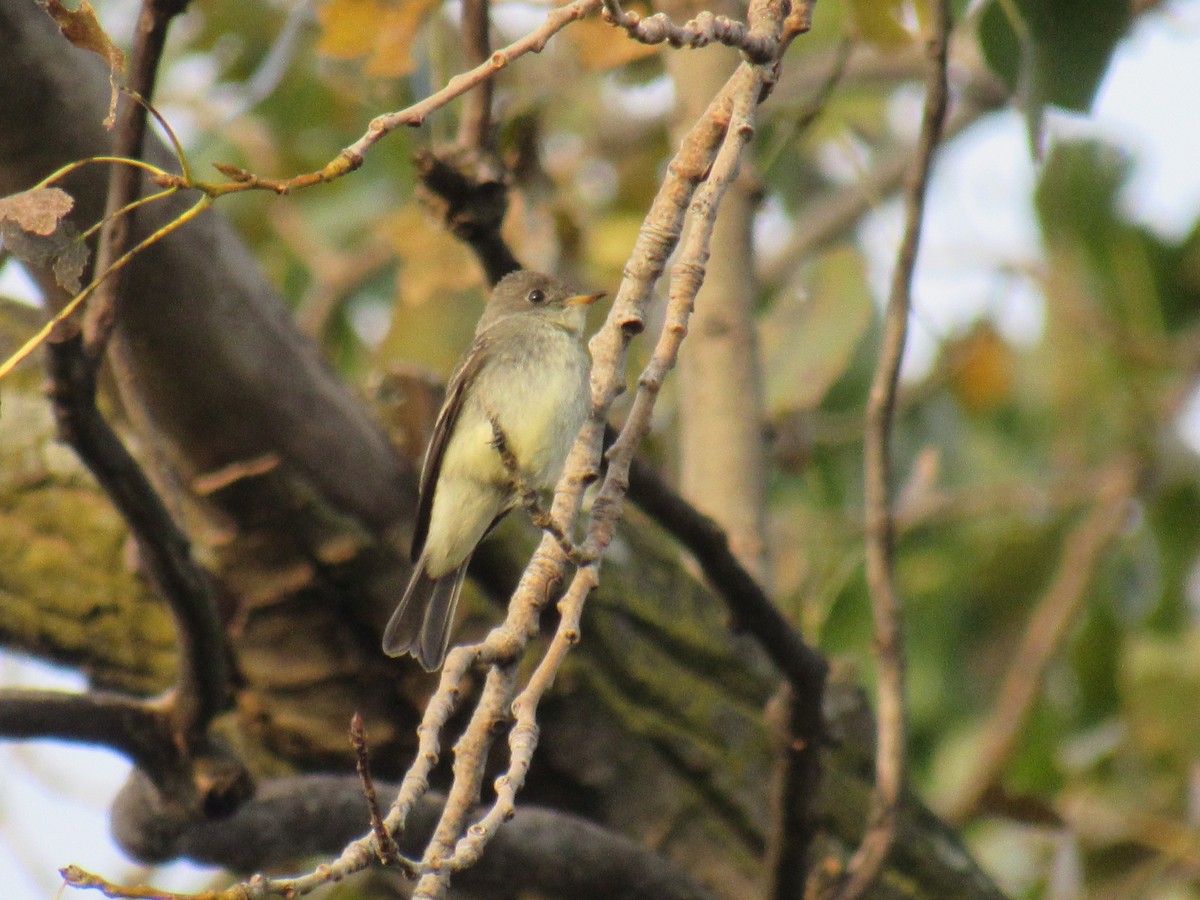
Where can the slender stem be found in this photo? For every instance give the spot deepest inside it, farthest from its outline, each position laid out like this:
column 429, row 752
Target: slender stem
column 890, row 752
column 353, row 156
column 150, row 36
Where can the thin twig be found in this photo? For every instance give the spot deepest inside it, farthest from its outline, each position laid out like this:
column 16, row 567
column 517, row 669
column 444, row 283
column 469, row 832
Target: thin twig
column 79, row 878
column 470, row 760
column 890, row 755
column 353, row 156
column 760, row 46
column 150, row 36
column 385, row 847
column 505, row 643
column 750, row 609
column 1047, row 629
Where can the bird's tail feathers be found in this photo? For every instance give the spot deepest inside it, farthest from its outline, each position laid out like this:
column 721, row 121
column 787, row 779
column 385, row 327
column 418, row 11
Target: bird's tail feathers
column 421, row 623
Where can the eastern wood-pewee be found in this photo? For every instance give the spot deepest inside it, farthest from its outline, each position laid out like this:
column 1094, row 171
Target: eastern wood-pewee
column 525, row 374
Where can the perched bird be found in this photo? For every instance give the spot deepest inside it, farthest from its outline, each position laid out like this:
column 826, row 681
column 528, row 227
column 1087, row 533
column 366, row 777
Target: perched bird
column 526, row 372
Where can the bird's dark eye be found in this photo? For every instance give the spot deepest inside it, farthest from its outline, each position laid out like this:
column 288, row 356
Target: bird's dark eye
column 535, row 297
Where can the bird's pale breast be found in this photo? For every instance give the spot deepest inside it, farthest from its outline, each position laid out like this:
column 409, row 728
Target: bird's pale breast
column 536, row 388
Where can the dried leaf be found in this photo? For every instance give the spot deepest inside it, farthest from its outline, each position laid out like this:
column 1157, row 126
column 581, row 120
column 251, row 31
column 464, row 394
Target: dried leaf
column 83, row 29
column 72, row 259
column 62, row 250
column 38, row 211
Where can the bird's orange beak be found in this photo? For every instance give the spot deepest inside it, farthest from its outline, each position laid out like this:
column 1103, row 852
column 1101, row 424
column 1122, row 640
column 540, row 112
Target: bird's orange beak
column 583, row 299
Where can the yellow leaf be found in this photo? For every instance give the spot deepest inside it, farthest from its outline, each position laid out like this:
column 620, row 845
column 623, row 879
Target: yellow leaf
column 348, row 27
column 382, row 31
column 601, row 46
column 880, row 23
column 432, row 263
column 394, row 38
column 981, row 369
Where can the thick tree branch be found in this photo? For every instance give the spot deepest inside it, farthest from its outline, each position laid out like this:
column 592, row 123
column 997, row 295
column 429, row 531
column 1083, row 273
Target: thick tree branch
column 540, row 851
column 127, row 725
column 192, row 783
column 203, row 688
column 890, row 755
column 233, row 407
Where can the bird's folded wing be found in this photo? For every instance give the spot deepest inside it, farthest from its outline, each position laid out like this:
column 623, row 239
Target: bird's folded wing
column 464, row 376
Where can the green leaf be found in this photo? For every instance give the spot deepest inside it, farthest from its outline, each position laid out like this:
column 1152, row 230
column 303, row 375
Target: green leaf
column 1052, row 53
column 879, row 23
column 1161, row 682
column 809, row 340
column 1078, row 191
column 1150, row 286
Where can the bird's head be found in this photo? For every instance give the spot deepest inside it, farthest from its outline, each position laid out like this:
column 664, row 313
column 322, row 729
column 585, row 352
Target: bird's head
column 532, row 293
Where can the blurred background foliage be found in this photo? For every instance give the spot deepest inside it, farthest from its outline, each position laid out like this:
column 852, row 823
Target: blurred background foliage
column 1010, row 447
